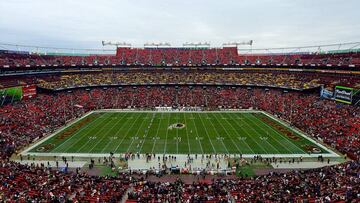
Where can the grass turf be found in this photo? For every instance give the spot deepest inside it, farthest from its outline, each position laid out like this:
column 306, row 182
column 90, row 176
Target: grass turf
column 249, row 170
column 177, row 133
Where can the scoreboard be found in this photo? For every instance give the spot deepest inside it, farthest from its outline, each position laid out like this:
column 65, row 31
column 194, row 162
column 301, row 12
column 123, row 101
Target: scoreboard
column 347, row 95
column 344, row 94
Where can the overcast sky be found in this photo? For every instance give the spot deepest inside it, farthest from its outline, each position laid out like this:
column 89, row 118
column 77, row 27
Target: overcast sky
column 270, row 23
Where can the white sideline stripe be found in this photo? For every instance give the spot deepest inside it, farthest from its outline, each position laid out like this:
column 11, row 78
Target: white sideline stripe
column 281, row 135
column 90, row 155
column 302, row 134
column 81, row 136
column 39, row 142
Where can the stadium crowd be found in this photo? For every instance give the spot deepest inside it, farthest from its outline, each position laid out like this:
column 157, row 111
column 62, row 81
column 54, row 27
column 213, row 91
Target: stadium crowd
column 28, row 120
column 23, row 183
column 259, row 79
column 180, row 57
column 292, row 80
column 272, row 79
column 329, row 184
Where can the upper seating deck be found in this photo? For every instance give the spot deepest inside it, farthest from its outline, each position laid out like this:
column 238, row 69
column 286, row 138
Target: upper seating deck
column 227, row 56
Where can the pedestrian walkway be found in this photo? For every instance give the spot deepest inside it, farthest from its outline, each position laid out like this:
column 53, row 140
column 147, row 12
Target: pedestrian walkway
column 61, row 164
column 181, row 161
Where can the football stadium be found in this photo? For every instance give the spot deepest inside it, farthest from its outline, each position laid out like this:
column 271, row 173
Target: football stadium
column 256, row 111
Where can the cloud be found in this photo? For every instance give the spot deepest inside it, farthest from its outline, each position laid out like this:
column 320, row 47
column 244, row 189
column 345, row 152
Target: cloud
column 270, row 23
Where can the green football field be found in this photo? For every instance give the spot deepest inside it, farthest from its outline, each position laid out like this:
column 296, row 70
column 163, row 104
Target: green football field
column 177, row 133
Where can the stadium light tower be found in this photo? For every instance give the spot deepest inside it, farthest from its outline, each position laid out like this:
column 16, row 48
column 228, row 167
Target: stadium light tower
column 236, row 44
column 196, row 44
column 157, row 45
column 117, row 44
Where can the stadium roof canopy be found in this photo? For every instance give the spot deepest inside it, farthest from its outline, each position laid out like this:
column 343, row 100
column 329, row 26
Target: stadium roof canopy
column 324, row 48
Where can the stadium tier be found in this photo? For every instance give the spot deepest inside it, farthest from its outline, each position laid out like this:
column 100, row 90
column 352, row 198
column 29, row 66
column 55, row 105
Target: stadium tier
column 225, row 56
column 238, row 127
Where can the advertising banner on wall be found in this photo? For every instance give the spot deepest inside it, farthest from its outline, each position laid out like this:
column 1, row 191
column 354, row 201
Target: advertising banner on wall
column 28, row 91
column 327, row 94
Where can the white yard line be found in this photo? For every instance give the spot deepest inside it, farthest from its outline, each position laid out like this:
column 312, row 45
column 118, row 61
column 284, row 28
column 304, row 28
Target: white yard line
column 212, row 145
column 126, row 134
column 95, row 135
column 84, row 135
column 177, row 136
column 166, row 134
column 117, row 132
column 250, row 135
column 137, row 133
column 237, row 133
column 227, row 133
column 147, row 132
column 227, row 151
column 197, row 133
column 157, row 134
column 253, row 129
column 187, row 135
column 80, row 130
column 259, row 134
column 285, row 147
column 114, row 125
